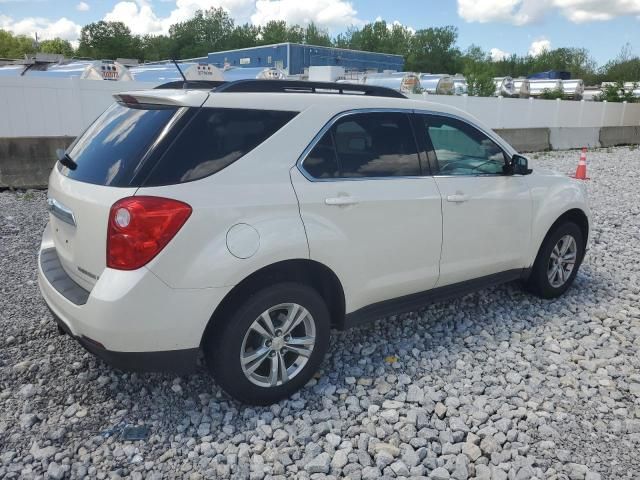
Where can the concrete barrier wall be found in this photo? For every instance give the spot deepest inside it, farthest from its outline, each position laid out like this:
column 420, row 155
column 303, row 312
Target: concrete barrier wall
column 27, row 162
column 564, row 138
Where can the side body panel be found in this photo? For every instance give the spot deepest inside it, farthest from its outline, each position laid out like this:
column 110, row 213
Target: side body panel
column 487, row 233
column 552, row 195
column 255, row 191
column 384, row 246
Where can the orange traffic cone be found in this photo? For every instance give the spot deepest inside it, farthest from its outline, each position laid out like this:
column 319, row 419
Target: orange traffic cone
column 581, row 171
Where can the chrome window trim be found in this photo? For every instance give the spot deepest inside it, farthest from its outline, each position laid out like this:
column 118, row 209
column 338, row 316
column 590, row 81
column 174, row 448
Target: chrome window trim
column 506, row 148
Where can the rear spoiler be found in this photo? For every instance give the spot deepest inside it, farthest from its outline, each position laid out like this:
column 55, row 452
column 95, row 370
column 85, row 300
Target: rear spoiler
column 176, row 98
column 191, row 84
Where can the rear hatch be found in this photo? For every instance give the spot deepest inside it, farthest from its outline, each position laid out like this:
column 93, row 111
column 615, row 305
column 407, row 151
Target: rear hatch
column 112, row 158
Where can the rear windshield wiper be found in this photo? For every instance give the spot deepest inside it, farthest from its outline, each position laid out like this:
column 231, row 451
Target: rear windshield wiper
column 66, row 160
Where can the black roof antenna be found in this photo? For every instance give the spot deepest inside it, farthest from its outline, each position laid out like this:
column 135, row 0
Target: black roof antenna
column 178, row 67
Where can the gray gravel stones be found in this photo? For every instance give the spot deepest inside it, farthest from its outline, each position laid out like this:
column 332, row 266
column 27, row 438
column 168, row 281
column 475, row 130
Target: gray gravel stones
column 495, row 385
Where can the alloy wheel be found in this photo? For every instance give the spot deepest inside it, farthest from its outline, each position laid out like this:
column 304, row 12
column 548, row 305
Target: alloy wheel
column 562, row 261
column 278, row 345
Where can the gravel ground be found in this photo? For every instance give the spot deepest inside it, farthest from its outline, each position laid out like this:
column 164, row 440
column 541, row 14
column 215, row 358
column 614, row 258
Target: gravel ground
column 498, row 384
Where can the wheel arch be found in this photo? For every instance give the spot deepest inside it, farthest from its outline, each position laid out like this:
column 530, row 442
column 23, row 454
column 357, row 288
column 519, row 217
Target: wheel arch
column 575, row 215
column 309, row 272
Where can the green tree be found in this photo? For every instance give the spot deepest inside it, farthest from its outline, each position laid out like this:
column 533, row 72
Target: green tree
column 15, row 46
column 552, row 93
column 57, row 45
column 244, row 36
column 316, row 36
column 434, row 50
column 208, row 31
column 277, row 31
column 378, row 37
column 155, row 47
column 618, row 93
column 479, row 80
column 108, row 40
column 624, row 68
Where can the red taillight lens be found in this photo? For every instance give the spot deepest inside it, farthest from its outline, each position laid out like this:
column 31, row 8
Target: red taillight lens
column 140, row 227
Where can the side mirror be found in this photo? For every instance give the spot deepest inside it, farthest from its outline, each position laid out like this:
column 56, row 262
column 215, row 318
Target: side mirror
column 520, row 165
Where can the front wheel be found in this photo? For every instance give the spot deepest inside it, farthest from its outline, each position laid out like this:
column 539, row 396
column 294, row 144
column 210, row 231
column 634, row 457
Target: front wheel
column 558, row 260
column 272, row 345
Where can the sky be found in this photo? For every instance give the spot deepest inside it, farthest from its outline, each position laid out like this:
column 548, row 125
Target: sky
column 499, row 26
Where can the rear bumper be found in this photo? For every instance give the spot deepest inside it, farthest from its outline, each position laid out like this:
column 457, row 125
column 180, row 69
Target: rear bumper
column 131, row 319
column 171, row 361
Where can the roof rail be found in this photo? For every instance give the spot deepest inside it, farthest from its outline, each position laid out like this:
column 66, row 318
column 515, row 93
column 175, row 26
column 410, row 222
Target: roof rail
column 304, row 86
column 195, row 84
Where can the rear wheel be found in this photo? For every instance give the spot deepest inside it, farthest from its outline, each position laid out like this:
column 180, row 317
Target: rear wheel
column 271, row 345
column 558, row 260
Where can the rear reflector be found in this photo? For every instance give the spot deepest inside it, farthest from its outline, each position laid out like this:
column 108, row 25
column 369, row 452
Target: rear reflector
column 140, row 227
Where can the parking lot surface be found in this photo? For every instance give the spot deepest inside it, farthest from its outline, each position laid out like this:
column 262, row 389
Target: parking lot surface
column 498, row 384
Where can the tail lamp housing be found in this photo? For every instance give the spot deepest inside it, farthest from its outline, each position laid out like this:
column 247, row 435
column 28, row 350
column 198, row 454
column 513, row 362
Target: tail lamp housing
column 140, row 227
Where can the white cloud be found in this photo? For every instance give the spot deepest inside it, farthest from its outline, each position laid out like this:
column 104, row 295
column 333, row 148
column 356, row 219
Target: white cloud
column 497, row 54
column 326, row 13
column 139, row 17
column 45, row 28
column 521, row 12
column 240, row 10
column 539, row 46
column 82, row 7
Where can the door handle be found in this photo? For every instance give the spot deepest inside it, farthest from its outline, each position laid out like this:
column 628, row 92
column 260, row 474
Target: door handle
column 457, row 198
column 341, row 201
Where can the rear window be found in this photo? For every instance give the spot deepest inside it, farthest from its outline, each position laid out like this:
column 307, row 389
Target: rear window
column 214, row 139
column 126, row 146
column 111, row 150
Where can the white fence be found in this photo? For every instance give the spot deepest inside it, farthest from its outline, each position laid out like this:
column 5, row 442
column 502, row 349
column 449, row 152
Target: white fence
column 42, row 107
column 535, row 113
column 39, row 107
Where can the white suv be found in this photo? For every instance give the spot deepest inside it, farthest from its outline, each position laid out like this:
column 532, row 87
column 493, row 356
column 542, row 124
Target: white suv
column 247, row 221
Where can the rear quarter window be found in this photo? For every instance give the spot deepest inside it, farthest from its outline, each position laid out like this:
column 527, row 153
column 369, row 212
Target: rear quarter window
column 214, row 139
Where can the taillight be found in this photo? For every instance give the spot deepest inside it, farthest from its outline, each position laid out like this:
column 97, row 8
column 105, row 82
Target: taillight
column 140, row 227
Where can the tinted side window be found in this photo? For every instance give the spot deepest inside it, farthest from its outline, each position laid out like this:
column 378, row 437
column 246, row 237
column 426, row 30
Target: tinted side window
column 111, row 150
column 461, row 149
column 321, row 161
column 377, row 144
column 214, row 139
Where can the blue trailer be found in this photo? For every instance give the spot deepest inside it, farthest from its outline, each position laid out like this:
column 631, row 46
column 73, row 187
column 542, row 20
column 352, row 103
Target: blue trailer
column 295, row 58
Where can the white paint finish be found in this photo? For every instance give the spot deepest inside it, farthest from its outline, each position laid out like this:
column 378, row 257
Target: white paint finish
column 85, row 245
column 385, row 245
column 243, row 241
column 386, row 242
column 552, row 194
column 134, row 311
column 487, row 233
column 255, row 190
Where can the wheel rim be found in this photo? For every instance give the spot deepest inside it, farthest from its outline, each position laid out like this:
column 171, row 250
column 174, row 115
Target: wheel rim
column 562, row 261
column 278, row 345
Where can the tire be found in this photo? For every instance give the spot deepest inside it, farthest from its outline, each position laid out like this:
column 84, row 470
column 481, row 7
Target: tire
column 539, row 282
column 235, row 337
